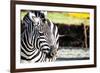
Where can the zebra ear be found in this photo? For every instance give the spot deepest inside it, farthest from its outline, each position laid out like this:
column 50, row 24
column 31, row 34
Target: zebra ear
column 31, row 15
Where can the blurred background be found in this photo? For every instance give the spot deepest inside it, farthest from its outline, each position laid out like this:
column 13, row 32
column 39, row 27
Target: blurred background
column 73, row 28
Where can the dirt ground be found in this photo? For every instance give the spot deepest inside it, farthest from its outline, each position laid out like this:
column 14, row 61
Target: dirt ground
column 73, row 54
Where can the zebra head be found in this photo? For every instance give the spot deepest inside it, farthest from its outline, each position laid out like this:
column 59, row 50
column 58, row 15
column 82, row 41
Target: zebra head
column 53, row 36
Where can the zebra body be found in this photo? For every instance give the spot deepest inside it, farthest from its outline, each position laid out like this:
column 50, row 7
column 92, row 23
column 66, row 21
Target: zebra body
column 39, row 40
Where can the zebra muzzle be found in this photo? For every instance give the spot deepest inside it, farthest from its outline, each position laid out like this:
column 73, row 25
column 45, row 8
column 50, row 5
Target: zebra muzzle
column 53, row 51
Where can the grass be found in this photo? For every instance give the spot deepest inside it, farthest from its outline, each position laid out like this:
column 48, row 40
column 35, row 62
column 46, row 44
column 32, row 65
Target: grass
column 65, row 17
column 69, row 18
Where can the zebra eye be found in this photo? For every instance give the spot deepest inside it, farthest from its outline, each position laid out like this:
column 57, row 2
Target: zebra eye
column 33, row 17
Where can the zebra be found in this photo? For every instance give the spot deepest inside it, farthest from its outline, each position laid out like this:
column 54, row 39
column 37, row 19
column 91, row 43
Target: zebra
column 39, row 38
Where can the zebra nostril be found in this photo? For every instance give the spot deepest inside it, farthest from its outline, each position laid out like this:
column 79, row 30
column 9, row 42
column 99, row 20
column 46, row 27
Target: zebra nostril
column 52, row 54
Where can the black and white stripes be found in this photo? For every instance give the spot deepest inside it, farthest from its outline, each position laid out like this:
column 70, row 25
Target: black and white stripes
column 39, row 38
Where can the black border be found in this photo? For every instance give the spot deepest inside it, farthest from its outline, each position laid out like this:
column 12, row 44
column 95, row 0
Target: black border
column 13, row 34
